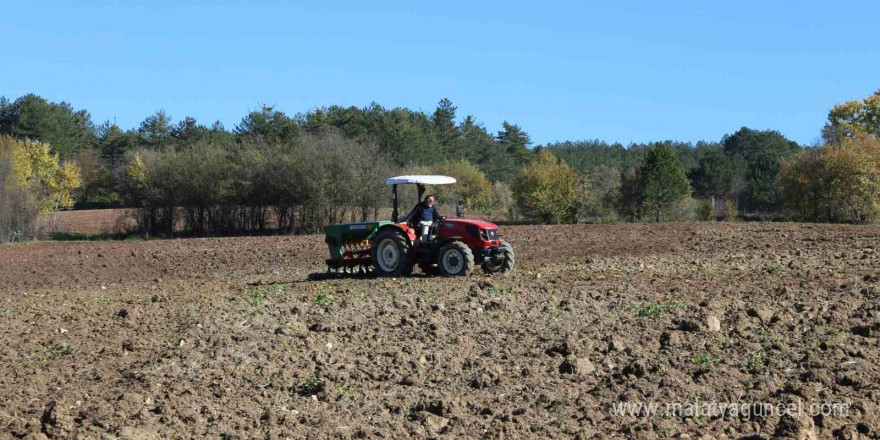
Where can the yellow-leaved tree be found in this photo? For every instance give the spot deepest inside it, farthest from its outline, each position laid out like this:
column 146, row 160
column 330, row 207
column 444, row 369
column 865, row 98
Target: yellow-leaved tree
column 853, row 174
column 38, row 172
column 838, row 182
column 853, row 118
column 136, row 170
column 547, row 189
column 38, row 169
column 135, row 188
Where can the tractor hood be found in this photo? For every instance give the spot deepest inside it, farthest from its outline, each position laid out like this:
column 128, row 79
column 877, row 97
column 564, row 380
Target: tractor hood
column 478, row 223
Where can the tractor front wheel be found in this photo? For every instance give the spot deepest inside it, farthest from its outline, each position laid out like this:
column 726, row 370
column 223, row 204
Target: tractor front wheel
column 391, row 254
column 455, row 259
column 501, row 265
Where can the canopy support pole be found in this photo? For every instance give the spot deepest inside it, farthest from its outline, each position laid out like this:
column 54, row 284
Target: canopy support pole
column 394, row 213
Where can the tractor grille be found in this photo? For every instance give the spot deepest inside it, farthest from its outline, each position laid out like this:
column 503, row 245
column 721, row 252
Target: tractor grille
column 489, row 234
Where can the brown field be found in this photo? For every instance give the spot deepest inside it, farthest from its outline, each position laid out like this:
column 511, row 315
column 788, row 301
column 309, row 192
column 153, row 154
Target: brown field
column 96, row 221
column 227, row 338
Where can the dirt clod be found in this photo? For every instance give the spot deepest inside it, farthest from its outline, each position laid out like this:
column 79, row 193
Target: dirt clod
column 866, row 331
column 797, row 428
column 765, row 314
column 616, row 344
column 575, row 365
column 129, row 433
column 713, row 324
column 435, row 424
column 637, row 369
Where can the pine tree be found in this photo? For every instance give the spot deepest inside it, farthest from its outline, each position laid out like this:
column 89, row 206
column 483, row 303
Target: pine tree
column 66, row 130
column 112, row 144
column 268, row 124
column 155, row 131
column 663, row 179
column 444, row 127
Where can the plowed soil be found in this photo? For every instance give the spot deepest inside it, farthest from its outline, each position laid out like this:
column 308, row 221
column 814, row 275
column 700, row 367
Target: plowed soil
column 227, row 338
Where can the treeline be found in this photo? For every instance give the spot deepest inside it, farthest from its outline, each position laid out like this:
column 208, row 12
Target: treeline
column 740, row 170
column 295, row 173
column 404, row 137
column 748, row 174
column 255, row 185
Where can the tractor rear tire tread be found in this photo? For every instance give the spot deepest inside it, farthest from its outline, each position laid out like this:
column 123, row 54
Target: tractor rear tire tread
column 405, row 266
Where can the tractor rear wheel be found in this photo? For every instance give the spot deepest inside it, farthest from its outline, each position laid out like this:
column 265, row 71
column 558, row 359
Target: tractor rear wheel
column 505, row 265
column 455, row 259
column 392, row 256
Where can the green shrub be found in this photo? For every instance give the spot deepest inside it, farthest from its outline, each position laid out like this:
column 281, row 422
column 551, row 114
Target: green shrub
column 103, row 200
column 705, row 211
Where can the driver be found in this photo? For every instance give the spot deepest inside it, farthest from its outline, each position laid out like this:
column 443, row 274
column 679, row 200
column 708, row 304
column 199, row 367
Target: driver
column 425, row 214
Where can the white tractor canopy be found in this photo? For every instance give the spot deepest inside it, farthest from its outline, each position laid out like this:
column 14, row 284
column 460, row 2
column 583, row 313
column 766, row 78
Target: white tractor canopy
column 423, row 180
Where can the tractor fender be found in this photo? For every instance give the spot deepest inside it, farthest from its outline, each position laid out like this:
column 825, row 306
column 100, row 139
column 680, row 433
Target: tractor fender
column 409, row 232
column 446, row 240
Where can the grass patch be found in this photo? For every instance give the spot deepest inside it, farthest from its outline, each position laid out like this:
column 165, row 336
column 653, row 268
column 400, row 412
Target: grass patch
column 275, row 290
column 311, row 385
column 655, row 310
column 703, row 359
column 52, row 350
column 256, row 297
column 754, row 362
column 773, row 270
column 79, row 236
column 100, row 236
column 323, row 300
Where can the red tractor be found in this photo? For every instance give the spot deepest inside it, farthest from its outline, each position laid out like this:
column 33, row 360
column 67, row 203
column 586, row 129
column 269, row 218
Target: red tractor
column 452, row 247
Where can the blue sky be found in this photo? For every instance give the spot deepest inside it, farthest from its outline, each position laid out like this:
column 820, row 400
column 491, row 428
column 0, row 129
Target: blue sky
column 622, row 71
